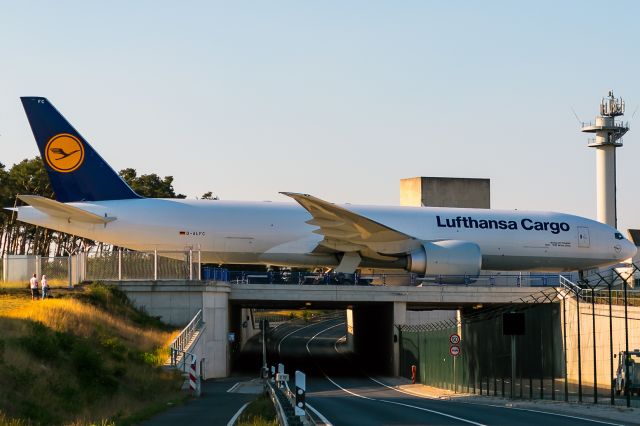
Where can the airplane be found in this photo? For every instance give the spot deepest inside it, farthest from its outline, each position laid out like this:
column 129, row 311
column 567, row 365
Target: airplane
column 93, row 201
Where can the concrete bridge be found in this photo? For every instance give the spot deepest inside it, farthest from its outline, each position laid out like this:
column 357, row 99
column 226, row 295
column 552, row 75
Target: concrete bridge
column 372, row 311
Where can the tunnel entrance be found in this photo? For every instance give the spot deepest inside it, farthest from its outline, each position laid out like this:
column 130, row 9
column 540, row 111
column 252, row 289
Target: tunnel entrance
column 339, row 341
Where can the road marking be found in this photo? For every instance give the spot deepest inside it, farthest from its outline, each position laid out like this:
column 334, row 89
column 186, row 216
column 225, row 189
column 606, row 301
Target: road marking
column 294, row 331
column 384, row 400
column 335, row 347
column 233, row 388
column 236, row 415
column 317, row 413
column 559, row 415
column 495, row 405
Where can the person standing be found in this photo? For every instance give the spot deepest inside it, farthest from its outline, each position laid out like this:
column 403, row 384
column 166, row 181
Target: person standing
column 45, row 286
column 33, row 284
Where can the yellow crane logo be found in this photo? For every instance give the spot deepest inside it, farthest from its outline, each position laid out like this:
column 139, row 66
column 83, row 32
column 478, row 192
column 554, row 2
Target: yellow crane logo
column 64, row 153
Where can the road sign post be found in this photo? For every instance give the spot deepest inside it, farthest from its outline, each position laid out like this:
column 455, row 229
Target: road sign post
column 454, row 351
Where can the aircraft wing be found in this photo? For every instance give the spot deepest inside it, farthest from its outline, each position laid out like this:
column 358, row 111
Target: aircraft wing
column 346, row 231
column 65, row 211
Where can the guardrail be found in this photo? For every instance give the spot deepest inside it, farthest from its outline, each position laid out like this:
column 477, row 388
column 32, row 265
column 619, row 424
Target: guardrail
column 283, row 418
column 284, row 400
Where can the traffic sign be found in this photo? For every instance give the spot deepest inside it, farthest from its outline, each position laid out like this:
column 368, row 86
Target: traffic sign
column 454, row 350
column 454, row 339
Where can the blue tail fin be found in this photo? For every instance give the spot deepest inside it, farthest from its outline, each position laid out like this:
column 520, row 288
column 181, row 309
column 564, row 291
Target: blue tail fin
column 76, row 171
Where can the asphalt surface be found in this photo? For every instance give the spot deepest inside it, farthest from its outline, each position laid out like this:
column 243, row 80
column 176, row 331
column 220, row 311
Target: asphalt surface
column 341, row 393
column 215, row 406
column 345, row 395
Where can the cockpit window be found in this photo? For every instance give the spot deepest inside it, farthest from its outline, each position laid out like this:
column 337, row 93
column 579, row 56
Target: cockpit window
column 619, row 236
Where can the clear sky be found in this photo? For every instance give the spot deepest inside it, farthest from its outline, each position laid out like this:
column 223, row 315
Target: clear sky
column 339, row 99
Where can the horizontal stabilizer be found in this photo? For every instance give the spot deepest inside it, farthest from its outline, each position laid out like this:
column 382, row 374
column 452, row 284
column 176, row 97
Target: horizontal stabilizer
column 65, row 211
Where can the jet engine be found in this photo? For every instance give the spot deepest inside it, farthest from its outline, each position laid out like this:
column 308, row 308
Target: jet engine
column 440, row 259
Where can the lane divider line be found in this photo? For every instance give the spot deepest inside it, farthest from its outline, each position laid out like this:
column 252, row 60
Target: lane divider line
column 237, row 414
column 294, row 331
column 385, row 401
column 495, row 405
column 335, row 347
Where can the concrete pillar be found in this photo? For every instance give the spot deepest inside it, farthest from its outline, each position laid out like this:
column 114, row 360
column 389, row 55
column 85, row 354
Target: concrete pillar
column 247, row 330
column 350, row 344
column 215, row 312
column 399, row 319
column 606, row 184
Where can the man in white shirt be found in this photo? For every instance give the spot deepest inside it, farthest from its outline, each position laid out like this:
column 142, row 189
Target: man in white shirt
column 33, row 283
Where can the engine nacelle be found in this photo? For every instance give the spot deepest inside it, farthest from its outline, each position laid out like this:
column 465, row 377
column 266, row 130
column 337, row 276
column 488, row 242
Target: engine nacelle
column 446, row 258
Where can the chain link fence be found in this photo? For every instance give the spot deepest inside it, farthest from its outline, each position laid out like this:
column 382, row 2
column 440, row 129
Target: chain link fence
column 135, row 265
column 15, row 271
column 580, row 344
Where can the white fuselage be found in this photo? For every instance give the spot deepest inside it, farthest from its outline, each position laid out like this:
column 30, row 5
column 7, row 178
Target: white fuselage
column 229, row 232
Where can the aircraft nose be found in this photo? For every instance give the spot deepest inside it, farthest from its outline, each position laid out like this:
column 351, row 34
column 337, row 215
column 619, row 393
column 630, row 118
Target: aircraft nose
column 629, row 249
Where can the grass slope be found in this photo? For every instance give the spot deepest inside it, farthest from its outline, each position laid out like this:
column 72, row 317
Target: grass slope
column 85, row 357
column 260, row 412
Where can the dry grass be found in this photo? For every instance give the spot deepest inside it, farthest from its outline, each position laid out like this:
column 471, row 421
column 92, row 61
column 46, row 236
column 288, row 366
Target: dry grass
column 53, row 283
column 70, row 361
column 9, row 302
column 82, row 319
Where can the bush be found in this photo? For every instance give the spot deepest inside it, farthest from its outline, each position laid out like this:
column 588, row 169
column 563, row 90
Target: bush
column 89, row 365
column 114, row 300
column 41, row 342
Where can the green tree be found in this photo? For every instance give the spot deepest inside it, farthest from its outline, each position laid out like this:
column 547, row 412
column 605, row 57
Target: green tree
column 30, row 177
column 150, row 185
column 209, row 196
column 26, row 177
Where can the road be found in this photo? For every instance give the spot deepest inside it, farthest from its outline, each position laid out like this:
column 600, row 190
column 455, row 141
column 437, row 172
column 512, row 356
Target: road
column 345, row 395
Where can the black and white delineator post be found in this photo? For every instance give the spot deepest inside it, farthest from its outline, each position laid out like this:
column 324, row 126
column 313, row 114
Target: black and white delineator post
column 301, row 387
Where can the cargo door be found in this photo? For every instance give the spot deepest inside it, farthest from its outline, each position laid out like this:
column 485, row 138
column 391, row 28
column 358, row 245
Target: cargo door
column 583, row 237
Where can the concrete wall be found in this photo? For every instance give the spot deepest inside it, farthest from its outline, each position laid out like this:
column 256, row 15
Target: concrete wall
column 173, row 301
column 215, row 314
column 426, row 317
column 176, row 302
column 602, row 340
column 445, row 192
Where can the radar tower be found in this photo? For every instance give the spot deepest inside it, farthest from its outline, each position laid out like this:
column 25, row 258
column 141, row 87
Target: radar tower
column 608, row 137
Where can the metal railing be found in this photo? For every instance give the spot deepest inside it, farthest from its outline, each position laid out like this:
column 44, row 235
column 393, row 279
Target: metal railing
column 180, row 343
column 570, row 286
column 411, row 279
